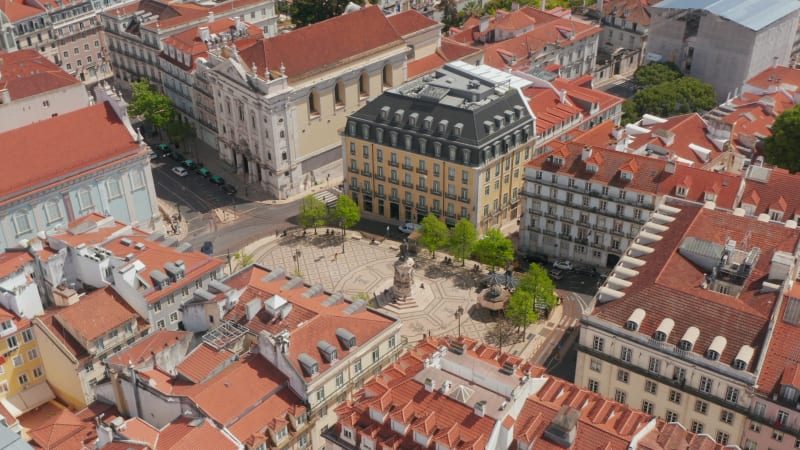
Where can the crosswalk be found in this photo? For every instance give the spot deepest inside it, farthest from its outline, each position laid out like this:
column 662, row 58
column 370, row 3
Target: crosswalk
column 327, row 197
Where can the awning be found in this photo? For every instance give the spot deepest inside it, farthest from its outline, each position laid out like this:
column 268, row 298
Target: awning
column 28, row 399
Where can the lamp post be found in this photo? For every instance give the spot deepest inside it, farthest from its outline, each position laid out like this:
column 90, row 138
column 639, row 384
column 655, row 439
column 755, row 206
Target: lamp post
column 341, row 225
column 296, row 257
column 459, row 313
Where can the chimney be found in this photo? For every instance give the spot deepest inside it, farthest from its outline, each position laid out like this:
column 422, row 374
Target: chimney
column 670, row 166
column 484, row 24
column 586, row 153
column 5, row 96
column 774, row 62
column 205, row 36
column 480, row 408
column 562, row 96
column 210, row 16
column 430, row 385
column 237, row 21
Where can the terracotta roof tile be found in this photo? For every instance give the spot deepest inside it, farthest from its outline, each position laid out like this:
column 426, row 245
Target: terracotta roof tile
column 775, row 77
column 314, row 48
column 779, row 191
column 188, row 41
column 411, row 21
column 202, row 362
column 138, row 430
column 52, row 426
column 146, row 347
column 13, row 260
column 16, row 10
column 96, row 313
column 632, row 11
column 186, row 433
column 26, row 73
column 687, row 129
column 82, row 141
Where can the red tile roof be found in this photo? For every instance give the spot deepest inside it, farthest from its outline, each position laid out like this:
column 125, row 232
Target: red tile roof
column 449, row 50
column 96, row 313
column 631, row 11
column 668, row 284
column 138, row 430
column 202, row 362
column 315, row 48
column 779, row 192
column 270, row 414
column 16, row 10
column 52, row 426
column 82, row 141
column 775, row 78
column 51, row 325
column 147, row 347
column 651, row 176
column 26, row 73
column 411, row 21
column 309, row 320
column 687, row 129
column 13, row 260
column 186, row 433
column 675, row 436
column 782, row 362
column 188, row 42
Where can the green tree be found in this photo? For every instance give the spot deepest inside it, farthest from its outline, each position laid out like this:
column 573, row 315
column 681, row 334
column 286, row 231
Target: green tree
column 462, row 240
column 150, row 104
column 178, row 130
column 656, row 73
column 783, row 147
column 242, row 260
column 502, row 333
column 434, row 234
column 681, row 96
column 494, row 249
column 313, row 213
column 345, row 212
column 306, row 12
column 538, row 284
column 449, row 12
column 521, row 308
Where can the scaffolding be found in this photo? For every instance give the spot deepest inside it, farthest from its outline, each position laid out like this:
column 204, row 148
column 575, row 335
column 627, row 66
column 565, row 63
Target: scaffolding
column 226, row 333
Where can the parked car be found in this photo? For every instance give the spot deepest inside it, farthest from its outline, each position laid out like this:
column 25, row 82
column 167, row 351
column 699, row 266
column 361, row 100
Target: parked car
column 563, row 264
column 207, row 248
column 216, row 179
column 164, row 149
column 180, row 171
column 189, row 164
column 537, row 258
column 176, row 155
column 409, row 227
column 203, row 172
column 556, row 274
column 583, row 269
column 229, row 189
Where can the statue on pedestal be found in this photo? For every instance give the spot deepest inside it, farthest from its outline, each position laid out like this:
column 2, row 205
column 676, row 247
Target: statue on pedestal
column 403, row 278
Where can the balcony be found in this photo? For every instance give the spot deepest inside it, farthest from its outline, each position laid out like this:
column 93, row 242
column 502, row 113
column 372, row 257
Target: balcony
column 408, row 185
column 551, row 215
column 366, row 173
column 380, row 177
column 354, row 188
column 380, row 194
column 565, row 237
column 617, row 232
column 450, row 214
column 394, row 198
column 566, row 219
column 549, row 232
column 436, row 192
column 535, row 212
column 422, row 208
column 460, row 216
column 394, row 163
column 353, row 169
column 450, row 196
column 367, row 191
column 616, row 251
column 583, row 241
column 422, row 171
column 394, row 181
column 463, row 199
column 599, row 227
column 408, row 167
column 408, row 203
column 436, row 211
column 422, row 188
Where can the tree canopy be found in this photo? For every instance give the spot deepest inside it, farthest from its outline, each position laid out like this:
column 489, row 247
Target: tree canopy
column 313, row 213
column 535, row 293
column 462, row 240
column 520, row 309
column 150, row 104
column 681, row 96
column 346, row 210
column 656, row 73
column 178, row 130
column 434, row 234
column 494, row 249
column 306, row 12
column 783, row 147
column 502, row 333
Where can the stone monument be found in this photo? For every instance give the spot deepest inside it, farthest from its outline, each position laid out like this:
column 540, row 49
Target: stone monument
column 403, row 275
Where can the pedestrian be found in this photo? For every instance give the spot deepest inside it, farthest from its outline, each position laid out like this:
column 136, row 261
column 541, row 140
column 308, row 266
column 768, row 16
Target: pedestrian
column 422, row 285
column 335, row 255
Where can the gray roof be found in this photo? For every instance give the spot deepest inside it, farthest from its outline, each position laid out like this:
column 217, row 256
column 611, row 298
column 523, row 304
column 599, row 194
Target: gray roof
column 753, row 14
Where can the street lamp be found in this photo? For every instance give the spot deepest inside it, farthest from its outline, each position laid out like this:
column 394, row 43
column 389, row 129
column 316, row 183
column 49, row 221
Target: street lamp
column 341, row 225
column 459, row 313
column 296, row 257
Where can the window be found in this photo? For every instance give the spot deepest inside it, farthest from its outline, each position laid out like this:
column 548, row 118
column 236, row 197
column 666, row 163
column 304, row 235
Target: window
column 392, row 342
column 52, row 211
column 777, row 435
column 675, row 396
column 623, row 375
column 713, row 355
column 726, row 417
column 647, row 407
column 595, row 365
column 782, row 417
column 706, row 384
column 85, row 200
column 732, row 395
column 376, row 355
column 697, row 427
column 173, row 317
column 27, row 335
column 4, row 387
column 650, row 386
column 18, row 360
column 33, row 354
column 654, row 366
column 38, row 372
column 722, row 437
column 357, row 366
column 12, row 342
column 598, row 344
column 161, row 324
column 619, row 396
column 23, row 379
column 321, row 394
column 594, row 386
column 755, row 427
column 701, row 407
column 625, row 354
column 339, row 379
column 22, row 223
column 671, row 416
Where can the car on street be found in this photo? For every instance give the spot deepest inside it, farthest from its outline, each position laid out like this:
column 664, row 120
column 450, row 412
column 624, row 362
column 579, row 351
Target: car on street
column 189, row 164
column 203, row 172
column 537, row 258
column 180, row 171
column 207, row 248
column 176, row 155
column 556, row 274
column 409, row 227
column 164, row 149
column 229, row 189
column 584, row 269
column 563, row 264
column 216, row 179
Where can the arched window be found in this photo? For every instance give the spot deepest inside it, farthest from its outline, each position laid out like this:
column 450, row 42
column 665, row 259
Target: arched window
column 313, row 103
column 338, row 94
column 363, row 85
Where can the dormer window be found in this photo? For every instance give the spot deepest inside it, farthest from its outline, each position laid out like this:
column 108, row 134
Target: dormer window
column 442, row 128
column 739, row 364
column 281, row 434
column 626, row 176
column 635, row 319
column 713, row 355
column 591, row 168
column 663, row 330
column 775, row 215
column 710, row 197
column 427, row 124
column 681, row 191
column 452, row 151
column 557, row 160
column 398, row 115
column 351, row 128
column 423, row 143
column 631, row 325
column 457, row 129
column 384, row 113
column 365, row 131
column 379, row 135
column 685, row 345
column 412, row 119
